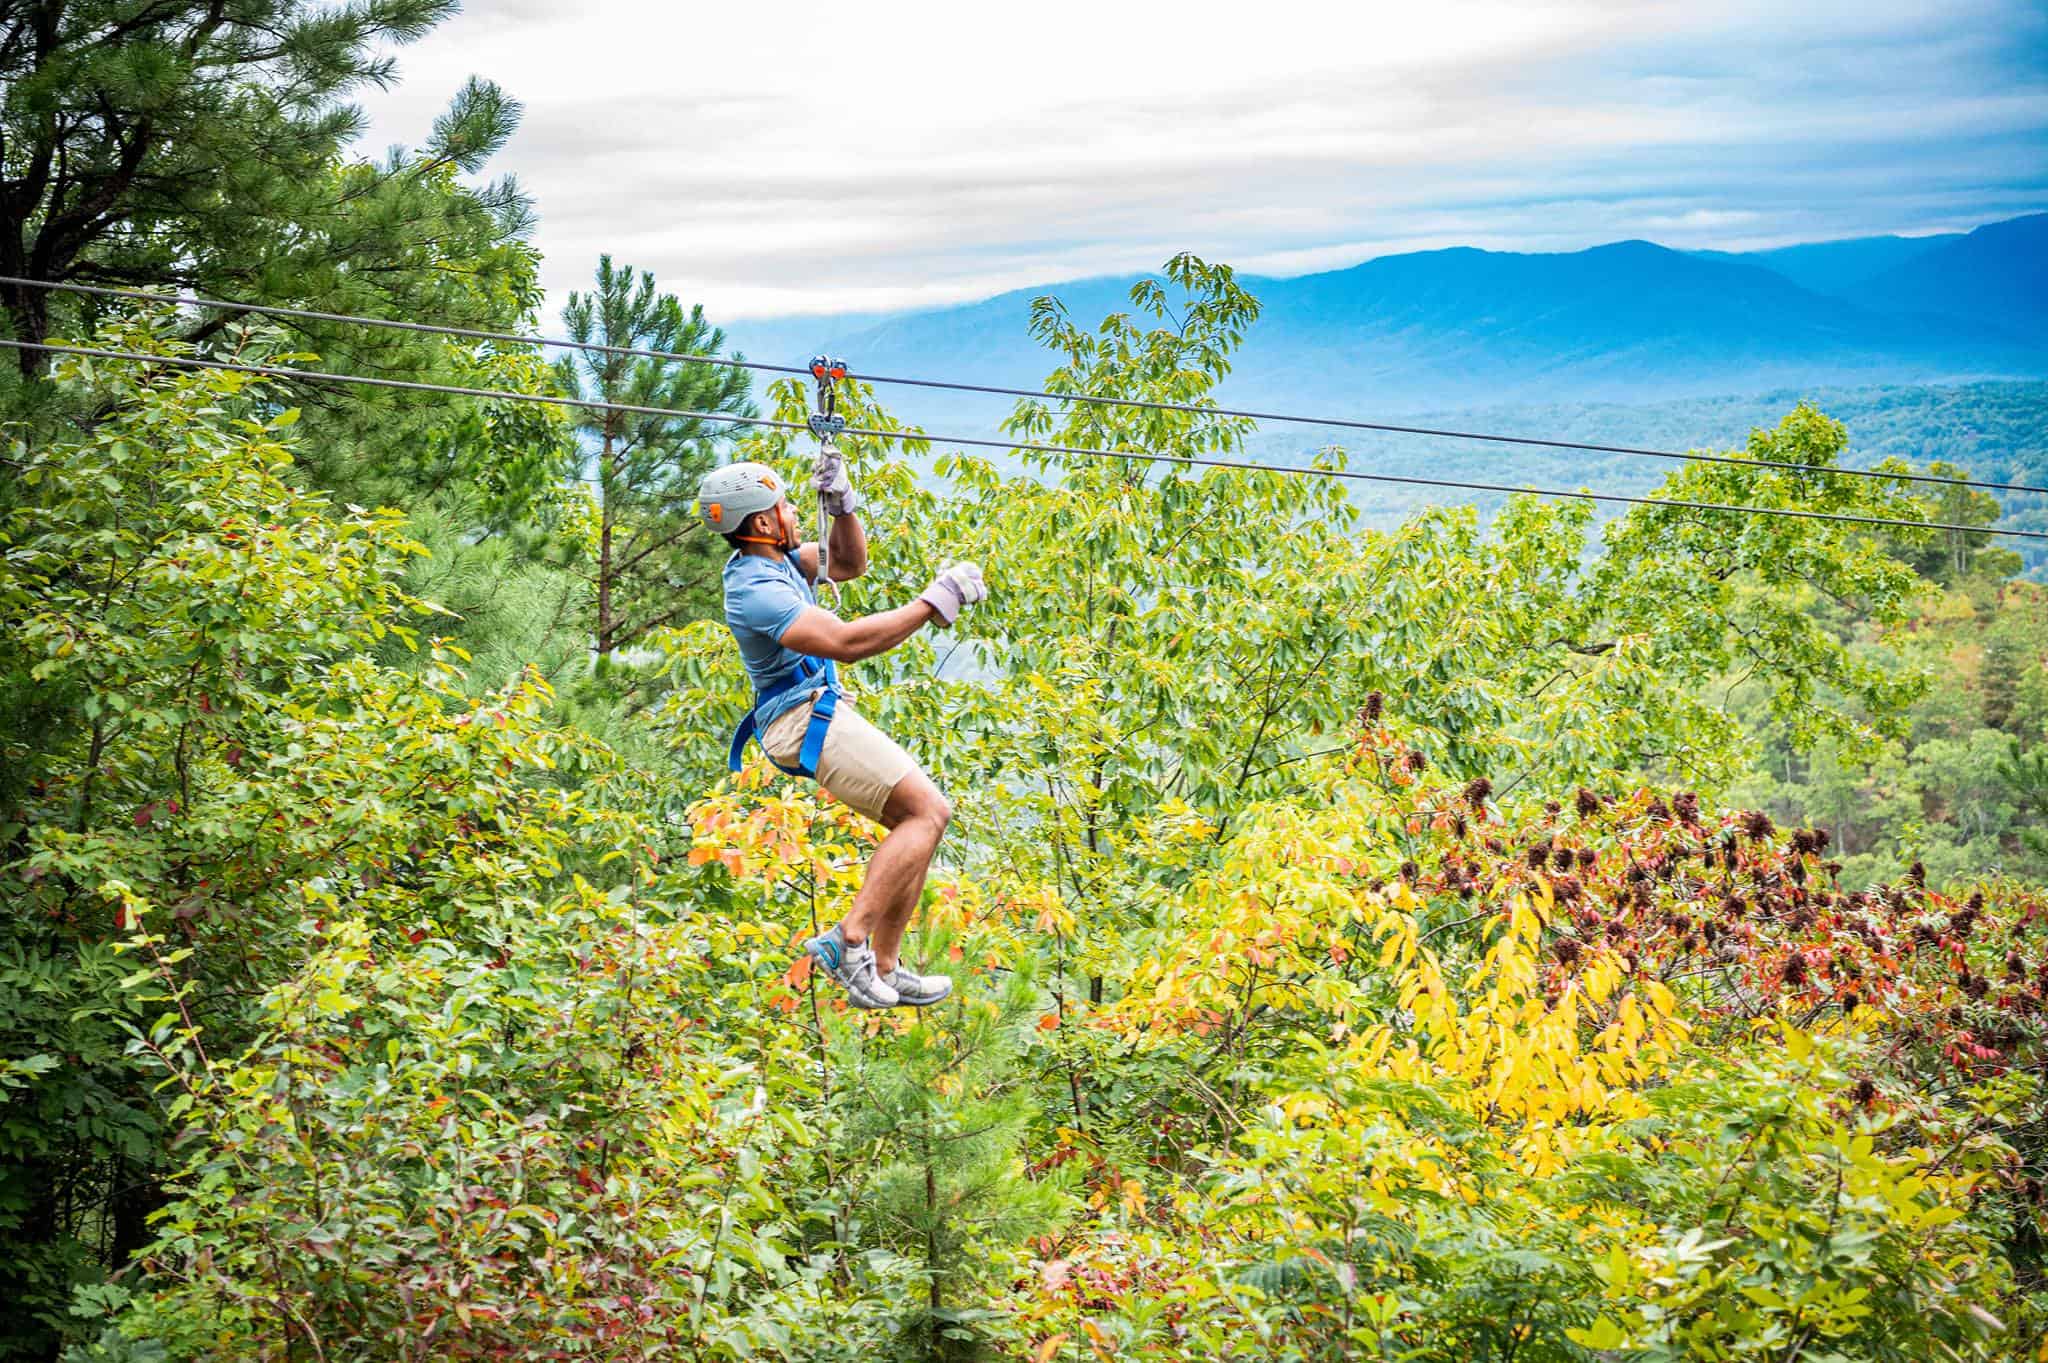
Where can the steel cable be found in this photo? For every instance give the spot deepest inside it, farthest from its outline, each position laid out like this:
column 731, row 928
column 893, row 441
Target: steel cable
column 1150, row 456
column 683, row 357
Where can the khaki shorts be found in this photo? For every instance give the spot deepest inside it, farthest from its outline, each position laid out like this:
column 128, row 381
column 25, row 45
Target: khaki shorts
column 860, row 764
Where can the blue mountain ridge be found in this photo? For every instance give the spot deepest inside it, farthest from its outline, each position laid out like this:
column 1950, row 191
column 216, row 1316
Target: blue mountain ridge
column 1836, row 267
column 1630, row 321
column 1997, row 275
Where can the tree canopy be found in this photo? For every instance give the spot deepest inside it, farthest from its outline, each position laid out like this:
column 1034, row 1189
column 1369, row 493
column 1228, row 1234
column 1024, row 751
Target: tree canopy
column 1486, row 938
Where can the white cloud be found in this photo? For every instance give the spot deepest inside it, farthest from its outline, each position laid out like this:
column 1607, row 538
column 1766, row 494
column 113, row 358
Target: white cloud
column 902, row 154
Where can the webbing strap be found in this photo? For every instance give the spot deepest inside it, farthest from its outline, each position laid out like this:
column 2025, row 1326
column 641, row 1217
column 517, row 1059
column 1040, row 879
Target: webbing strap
column 735, row 756
column 811, row 672
column 814, row 736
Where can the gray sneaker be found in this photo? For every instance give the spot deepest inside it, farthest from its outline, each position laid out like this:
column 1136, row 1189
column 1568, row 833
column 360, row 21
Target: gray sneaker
column 919, row 991
column 853, row 968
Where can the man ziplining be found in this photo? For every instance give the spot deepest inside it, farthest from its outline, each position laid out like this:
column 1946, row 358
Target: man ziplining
column 790, row 646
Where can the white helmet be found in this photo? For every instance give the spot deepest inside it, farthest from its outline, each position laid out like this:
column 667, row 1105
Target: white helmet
column 730, row 494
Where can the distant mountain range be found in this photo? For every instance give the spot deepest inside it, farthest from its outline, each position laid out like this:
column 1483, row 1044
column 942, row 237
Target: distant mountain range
column 1629, row 322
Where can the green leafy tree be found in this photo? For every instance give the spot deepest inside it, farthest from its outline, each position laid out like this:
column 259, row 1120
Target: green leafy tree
column 244, row 858
column 355, row 1007
column 1168, row 645
column 165, row 592
column 1950, row 556
column 655, row 562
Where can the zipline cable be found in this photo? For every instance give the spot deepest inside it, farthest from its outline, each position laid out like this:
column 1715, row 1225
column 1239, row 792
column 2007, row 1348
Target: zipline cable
column 422, row 328
column 683, row 357
column 1147, row 456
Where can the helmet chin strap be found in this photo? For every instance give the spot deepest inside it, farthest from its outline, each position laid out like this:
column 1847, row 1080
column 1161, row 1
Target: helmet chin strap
column 787, row 541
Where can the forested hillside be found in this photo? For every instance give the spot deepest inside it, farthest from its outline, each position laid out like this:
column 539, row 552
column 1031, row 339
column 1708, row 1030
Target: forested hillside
column 1997, row 431
column 1523, row 937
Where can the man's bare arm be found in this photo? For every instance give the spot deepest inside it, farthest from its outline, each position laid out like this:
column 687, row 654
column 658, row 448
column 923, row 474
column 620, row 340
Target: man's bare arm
column 849, row 542
column 822, row 634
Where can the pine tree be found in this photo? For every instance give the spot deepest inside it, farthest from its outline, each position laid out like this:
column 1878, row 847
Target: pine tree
column 176, row 144
column 655, row 562
column 2005, row 663
column 949, row 1104
column 153, row 142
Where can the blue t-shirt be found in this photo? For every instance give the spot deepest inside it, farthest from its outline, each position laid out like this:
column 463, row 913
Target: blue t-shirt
column 763, row 598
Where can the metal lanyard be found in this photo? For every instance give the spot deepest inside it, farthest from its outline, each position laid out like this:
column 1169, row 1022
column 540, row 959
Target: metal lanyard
column 826, row 424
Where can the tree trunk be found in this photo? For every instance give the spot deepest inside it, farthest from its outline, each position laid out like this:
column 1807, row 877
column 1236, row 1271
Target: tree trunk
column 135, row 1197
column 931, row 1243
column 29, row 312
column 604, row 555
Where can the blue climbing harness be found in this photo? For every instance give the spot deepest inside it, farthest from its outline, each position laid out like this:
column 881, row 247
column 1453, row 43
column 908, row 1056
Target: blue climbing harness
column 811, row 672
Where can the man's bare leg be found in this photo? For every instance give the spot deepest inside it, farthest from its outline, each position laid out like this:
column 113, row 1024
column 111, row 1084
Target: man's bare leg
column 916, row 816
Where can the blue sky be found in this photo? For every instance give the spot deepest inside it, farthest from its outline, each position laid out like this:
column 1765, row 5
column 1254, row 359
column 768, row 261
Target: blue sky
column 893, row 154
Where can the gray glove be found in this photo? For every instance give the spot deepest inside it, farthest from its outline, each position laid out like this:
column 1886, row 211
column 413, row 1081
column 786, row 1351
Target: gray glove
column 828, row 475
column 956, row 585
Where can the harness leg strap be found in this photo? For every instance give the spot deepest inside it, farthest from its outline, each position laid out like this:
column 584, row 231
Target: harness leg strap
column 814, row 734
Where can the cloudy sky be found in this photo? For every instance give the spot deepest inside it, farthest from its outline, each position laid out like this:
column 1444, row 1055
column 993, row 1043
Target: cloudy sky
column 893, row 154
